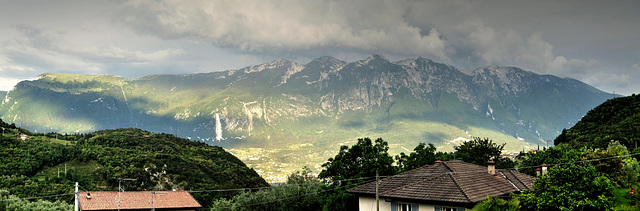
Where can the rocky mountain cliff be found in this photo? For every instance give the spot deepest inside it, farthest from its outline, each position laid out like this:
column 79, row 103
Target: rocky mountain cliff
column 281, row 115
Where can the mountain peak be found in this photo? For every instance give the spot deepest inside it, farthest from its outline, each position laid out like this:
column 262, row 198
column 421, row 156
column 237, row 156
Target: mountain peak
column 278, row 63
column 414, row 62
column 375, row 57
column 327, row 62
column 499, row 70
column 327, row 59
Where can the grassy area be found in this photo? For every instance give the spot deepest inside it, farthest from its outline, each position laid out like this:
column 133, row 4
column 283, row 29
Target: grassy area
column 63, row 142
column 624, row 200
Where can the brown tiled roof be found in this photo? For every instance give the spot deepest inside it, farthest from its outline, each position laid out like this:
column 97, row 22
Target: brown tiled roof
column 137, row 200
column 450, row 181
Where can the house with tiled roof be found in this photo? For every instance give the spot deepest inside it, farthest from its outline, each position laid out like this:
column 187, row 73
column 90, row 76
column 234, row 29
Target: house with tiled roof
column 444, row 186
column 138, row 200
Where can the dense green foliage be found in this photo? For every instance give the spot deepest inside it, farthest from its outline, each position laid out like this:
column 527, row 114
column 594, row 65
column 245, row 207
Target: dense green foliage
column 302, row 191
column 479, row 151
column 421, row 155
column 597, row 168
column 616, row 119
column 358, row 161
column 283, row 197
column 552, row 155
column 12, row 203
column 351, row 165
column 570, row 187
column 497, row 204
column 42, row 165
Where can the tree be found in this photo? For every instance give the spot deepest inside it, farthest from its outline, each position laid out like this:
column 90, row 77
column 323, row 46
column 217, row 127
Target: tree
column 562, row 138
column 284, row 197
column 359, row 161
column 4, row 194
column 19, row 205
column 422, row 155
column 619, row 167
column 569, row 187
column 351, row 165
column 559, row 154
column 497, row 204
column 505, row 163
column 479, row 151
column 302, row 177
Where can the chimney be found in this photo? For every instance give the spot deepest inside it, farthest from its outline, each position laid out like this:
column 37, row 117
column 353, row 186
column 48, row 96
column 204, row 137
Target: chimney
column 491, row 167
column 544, row 169
column 438, row 162
column 537, row 171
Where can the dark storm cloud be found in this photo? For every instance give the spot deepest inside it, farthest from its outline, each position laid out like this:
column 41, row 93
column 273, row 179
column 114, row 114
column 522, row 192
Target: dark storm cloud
column 593, row 41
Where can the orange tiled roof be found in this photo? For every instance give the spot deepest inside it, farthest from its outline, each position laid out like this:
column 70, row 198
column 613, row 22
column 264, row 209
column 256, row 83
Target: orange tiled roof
column 137, row 200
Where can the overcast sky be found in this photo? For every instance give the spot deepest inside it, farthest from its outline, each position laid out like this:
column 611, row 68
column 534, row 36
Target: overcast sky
column 595, row 41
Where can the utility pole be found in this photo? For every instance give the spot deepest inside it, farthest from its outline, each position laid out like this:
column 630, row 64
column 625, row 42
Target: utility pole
column 75, row 204
column 154, row 193
column 377, row 195
column 120, row 189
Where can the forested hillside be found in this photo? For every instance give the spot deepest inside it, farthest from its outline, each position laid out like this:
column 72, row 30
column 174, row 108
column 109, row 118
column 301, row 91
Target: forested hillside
column 616, row 119
column 594, row 164
column 49, row 164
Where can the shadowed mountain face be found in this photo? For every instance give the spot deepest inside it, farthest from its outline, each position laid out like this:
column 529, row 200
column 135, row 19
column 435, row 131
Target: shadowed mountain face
column 293, row 114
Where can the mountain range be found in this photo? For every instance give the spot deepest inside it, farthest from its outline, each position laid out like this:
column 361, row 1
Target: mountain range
column 281, row 115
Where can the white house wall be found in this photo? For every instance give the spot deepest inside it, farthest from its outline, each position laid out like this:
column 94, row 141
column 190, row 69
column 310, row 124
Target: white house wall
column 425, row 207
column 369, row 204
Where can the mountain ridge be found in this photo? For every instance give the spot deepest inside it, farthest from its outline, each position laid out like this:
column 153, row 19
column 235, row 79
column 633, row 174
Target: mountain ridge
column 265, row 112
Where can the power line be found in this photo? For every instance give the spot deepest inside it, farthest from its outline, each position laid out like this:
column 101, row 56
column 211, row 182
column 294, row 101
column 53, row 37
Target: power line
column 276, row 186
column 345, row 180
column 39, row 197
column 524, row 167
column 549, row 165
column 295, row 196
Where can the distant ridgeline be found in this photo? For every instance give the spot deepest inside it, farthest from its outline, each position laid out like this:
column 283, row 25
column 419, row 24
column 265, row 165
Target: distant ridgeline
column 297, row 115
column 616, row 119
column 48, row 164
column 300, row 103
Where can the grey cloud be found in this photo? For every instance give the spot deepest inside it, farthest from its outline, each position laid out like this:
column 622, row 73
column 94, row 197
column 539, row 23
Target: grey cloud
column 579, row 39
column 54, row 50
column 283, row 26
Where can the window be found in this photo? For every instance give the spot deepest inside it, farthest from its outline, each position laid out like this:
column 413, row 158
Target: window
column 449, row 209
column 404, row 207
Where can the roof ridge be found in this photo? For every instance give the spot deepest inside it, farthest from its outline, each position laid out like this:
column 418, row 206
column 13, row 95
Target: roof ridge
column 448, row 167
column 519, row 180
column 508, row 180
column 459, row 187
